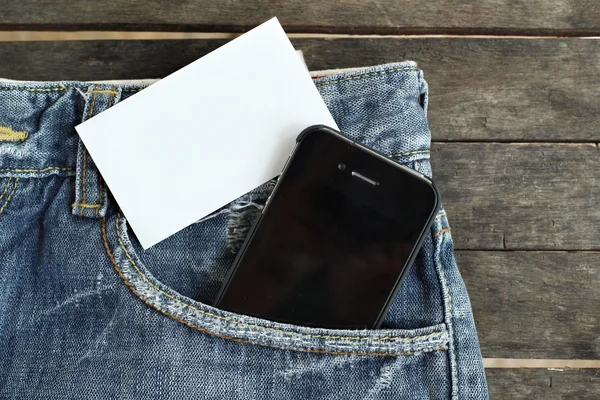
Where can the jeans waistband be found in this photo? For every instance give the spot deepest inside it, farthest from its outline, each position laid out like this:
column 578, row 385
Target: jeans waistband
column 383, row 107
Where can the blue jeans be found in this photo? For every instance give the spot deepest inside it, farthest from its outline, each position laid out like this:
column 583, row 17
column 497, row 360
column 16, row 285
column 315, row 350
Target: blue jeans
column 86, row 313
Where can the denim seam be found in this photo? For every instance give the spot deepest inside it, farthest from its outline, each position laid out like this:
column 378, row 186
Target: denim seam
column 61, row 88
column 367, row 75
column 436, row 234
column 8, row 183
column 10, row 196
column 360, row 76
column 112, row 91
column 448, row 314
column 54, row 89
column 37, row 170
column 454, row 365
column 83, row 173
column 239, row 340
column 100, row 194
column 142, row 275
column 410, row 152
column 82, row 205
column 84, row 169
column 71, row 169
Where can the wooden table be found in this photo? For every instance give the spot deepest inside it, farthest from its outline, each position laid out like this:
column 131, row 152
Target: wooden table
column 514, row 114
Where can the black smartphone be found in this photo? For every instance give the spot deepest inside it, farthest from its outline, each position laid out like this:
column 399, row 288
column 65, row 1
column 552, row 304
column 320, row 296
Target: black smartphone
column 335, row 237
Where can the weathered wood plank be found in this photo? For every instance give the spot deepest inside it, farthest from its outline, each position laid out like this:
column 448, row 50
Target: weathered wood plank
column 520, row 196
column 481, row 89
column 534, row 304
column 582, row 384
column 352, row 16
column 491, row 89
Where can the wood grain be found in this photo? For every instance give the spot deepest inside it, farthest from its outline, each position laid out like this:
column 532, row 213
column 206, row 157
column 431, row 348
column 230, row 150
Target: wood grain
column 481, row 89
column 529, row 384
column 490, row 89
column 520, row 196
column 534, row 304
column 569, row 17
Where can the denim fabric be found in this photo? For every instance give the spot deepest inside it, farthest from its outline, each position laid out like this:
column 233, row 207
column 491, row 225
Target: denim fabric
column 86, row 313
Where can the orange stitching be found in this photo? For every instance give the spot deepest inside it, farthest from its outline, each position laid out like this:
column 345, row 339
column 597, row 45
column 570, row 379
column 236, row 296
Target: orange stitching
column 100, row 200
column 92, row 106
column 110, row 255
column 84, row 175
column 61, row 87
column 82, row 205
column 37, row 170
column 8, row 182
column 113, row 91
column 387, row 338
column 349, row 353
column 9, row 196
column 238, row 340
column 442, row 232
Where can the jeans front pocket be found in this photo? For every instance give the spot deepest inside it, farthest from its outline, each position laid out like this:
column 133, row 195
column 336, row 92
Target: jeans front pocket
column 295, row 360
column 221, row 323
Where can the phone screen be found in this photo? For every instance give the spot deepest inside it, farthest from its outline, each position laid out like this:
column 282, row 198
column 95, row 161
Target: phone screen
column 334, row 239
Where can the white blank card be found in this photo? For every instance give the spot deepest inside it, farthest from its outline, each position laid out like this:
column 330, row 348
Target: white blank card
column 206, row 134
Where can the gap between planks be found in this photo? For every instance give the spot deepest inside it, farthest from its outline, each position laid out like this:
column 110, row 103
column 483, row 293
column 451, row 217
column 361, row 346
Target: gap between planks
column 493, row 363
column 526, row 250
column 29, row 36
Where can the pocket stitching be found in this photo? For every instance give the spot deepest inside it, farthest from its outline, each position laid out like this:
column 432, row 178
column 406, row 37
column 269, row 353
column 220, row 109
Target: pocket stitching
column 367, row 75
column 387, row 338
column 10, row 195
column 8, row 183
column 449, row 309
column 290, row 334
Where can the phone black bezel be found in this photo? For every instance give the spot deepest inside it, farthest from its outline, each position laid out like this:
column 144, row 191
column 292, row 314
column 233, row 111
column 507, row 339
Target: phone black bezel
column 411, row 258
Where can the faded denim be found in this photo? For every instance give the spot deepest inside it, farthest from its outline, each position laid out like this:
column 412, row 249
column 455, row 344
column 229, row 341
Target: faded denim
column 86, row 313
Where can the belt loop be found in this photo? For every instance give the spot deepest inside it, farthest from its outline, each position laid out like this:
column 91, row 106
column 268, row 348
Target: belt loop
column 423, row 92
column 91, row 195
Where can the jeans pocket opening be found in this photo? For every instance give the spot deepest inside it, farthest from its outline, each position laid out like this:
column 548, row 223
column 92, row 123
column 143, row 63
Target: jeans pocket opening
column 245, row 329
